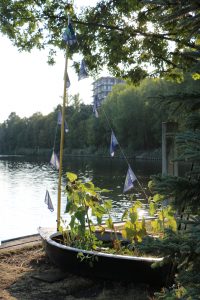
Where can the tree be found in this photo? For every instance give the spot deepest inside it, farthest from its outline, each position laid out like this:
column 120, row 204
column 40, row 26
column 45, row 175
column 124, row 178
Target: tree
column 135, row 116
column 13, row 138
column 184, row 246
column 75, row 101
column 161, row 36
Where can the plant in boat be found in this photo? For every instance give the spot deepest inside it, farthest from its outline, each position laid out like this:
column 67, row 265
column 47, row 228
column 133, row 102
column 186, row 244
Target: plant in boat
column 87, row 208
column 134, row 230
column 85, row 203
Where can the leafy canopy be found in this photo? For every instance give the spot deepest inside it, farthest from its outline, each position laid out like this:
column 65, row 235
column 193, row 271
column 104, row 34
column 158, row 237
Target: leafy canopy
column 151, row 37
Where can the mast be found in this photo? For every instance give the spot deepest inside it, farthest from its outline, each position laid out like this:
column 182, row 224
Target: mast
column 65, row 101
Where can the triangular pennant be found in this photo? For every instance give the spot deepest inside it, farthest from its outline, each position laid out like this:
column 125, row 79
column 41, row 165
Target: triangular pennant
column 68, row 83
column 48, row 201
column 113, row 144
column 66, row 127
column 95, row 111
column 55, row 161
column 82, row 72
column 69, row 35
column 130, row 178
column 96, row 104
column 60, row 121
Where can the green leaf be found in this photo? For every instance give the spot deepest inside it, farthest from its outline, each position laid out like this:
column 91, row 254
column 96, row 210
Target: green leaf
column 155, row 224
column 105, row 191
column 130, row 233
column 152, row 209
column 108, row 204
column 109, row 223
column 100, row 209
column 196, row 76
column 71, row 176
column 158, row 198
column 125, row 215
column 99, row 220
column 72, row 222
column 172, row 223
column 133, row 216
column 68, row 206
column 80, row 215
column 89, row 185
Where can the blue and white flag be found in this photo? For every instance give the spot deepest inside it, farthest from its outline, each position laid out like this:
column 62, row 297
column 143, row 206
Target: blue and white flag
column 96, row 104
column 82, row 72
column 55, row 161
column 69, row 35
column 66, row 127
column 68, row 83
column 95, row 111
column 113, row 144
column 130, row 178
column 60, row 121
column 48, row 201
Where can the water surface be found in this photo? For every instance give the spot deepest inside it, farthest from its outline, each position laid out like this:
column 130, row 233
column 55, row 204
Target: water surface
column 24, row 181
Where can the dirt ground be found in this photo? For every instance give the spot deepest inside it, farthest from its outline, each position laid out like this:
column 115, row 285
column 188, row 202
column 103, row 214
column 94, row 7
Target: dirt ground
column 22, row 274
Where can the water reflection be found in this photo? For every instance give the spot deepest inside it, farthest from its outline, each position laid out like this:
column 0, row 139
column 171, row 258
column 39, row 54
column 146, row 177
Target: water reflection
column 23, row 184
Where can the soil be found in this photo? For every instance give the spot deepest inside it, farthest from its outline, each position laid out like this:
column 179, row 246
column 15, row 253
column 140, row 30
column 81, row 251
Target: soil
column 26, row 274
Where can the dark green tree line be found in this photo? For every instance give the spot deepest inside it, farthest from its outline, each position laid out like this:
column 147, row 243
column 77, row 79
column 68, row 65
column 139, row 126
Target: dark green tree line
column 134, row 113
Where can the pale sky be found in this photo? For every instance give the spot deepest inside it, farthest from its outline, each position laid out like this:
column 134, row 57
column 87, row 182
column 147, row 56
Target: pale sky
column 28, row 84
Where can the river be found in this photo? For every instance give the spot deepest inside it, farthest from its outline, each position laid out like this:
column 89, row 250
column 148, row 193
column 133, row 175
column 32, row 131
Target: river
column 24, row 181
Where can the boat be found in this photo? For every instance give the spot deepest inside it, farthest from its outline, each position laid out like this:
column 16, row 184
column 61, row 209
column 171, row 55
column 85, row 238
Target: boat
column 104, row 265
column 98, row 263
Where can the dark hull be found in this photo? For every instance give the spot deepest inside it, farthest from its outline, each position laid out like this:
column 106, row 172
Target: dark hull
column 106, row 266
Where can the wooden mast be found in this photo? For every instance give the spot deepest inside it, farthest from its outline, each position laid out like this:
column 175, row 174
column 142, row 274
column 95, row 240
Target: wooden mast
column 65, row 101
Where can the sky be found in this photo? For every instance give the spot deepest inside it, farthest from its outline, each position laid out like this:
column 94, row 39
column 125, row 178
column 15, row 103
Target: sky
column 28, row 84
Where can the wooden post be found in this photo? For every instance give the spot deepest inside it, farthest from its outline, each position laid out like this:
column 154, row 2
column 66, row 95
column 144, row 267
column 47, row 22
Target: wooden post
column 65, row 100
column 164, row 149
column 169, row 166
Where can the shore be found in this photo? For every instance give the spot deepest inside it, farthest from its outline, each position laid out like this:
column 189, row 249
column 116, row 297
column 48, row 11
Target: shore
column 154, row 154
column 27, row 274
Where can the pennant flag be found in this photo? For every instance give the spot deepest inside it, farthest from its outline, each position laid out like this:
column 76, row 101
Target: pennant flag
column 48, row 201
column 55, row 161
column 113, row 144
column 130, row 178
column 82, row 72
column 59, row 118
column 68, row 83
column 69, row 35
column 96, row 104
column 95, row 111
column 60, row 121
column 66, row 127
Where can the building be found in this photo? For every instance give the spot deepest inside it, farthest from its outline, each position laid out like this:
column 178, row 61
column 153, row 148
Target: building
column 103, row 86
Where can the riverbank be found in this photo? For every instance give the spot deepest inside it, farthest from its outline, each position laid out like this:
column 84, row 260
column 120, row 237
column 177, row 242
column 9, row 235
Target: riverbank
column 89, row 152
column 27, row 274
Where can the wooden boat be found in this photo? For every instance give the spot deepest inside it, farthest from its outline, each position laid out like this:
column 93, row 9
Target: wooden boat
column 103, row 265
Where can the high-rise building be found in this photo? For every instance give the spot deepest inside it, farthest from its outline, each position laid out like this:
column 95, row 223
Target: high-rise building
column 103, row 86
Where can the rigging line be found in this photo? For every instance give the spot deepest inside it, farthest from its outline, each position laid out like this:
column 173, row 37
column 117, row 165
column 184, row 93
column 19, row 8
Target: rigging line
column 142, row 189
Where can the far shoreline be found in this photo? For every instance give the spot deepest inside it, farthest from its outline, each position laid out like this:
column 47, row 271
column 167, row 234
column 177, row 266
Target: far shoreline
column 99, row 153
